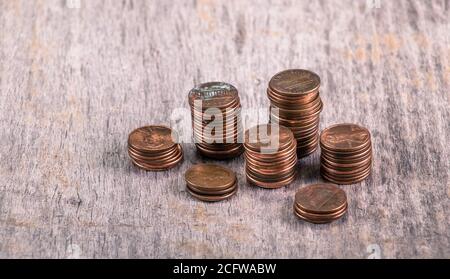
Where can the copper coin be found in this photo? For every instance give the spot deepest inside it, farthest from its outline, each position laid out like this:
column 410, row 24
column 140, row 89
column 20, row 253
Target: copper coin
column 220, row 154
column 159, row 167
column 345, row 166
column 295, row 81
column 165, row 161
column 343, row 181
column 344, row 137
column 349, row 157
column 273, row 178
column 273, row 162
column 219, row 146
column 319, row 218
column 322, row 216
column 154, row 157
column 267, row 136
column 214, row 192
column 288, row 105
column 346, row 173
column 273, row 171
column 300, row 100
column 289, row 110
column 271, row 185
column 271, row 154
column 152, row 138
column 212, row 198
column 210, row 177
column 321, row 198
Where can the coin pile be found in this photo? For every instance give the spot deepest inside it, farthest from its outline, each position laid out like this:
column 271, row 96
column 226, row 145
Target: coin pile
column 216, row 120
column 270, row 156
column 346, row 156
column 208, row 182
column 154, row 148
column 320, row 203
column 296, row 104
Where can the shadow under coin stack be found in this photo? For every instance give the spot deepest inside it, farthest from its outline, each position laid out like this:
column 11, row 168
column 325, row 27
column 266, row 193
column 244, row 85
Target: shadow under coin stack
column 320, row 203
column 216, row 120
column 154, row 148
column 346, row 156
column 270, row 156
column 208, row 182
column 296, row 104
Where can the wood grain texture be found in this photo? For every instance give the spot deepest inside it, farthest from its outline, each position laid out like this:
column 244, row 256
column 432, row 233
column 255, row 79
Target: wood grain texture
column 74, row 81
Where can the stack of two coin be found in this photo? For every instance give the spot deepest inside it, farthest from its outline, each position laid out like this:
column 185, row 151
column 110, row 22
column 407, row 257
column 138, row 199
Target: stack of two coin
column 296, row 104
column 216, row 120
column 154, row 148
column 320, row 203
column 208, row 182
column 270, row 156
column 346, row 156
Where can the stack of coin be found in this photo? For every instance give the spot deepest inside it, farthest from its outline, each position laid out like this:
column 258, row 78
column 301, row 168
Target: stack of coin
column 270, row 156
column 296, row 104
column 154, row 148
column 208, row 182
column 320, row 203
column 216, row 120
column 346, row 153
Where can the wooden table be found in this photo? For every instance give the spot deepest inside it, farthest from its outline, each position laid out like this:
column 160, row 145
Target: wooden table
column 77, row 76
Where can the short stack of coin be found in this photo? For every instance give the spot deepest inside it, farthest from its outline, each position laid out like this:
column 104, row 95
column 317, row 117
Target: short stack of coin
column 216, row 120
column 296, row 104
column 346, row 156
column 320, row 203
column 270, row 156
column 154, row 148
column 208, row 182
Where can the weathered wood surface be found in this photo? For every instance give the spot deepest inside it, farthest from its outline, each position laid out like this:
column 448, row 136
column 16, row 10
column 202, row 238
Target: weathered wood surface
column 75, row 80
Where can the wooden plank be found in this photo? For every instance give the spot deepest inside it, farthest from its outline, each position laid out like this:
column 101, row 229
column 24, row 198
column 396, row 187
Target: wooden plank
column 75, row 80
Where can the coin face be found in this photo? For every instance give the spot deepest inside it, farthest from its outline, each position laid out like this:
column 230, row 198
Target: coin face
column 345, row 137
column 268, row 136
column 214, row 94
column 295, row 81
column 152, row 138
column 321, row 198
column 210, row 177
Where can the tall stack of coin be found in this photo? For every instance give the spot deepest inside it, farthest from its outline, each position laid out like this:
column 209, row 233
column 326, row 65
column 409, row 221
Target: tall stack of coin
column 346, row 153
column 320, row 203
column 270, row 156
column 216, row 121
column 154, row 148
column 296, row 104
column 208, row 182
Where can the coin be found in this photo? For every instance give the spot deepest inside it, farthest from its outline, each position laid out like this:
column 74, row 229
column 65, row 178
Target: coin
column 295, row 103
column 320, row 203
column 267, row 136
column 216, row 121
column 212, row 193
column 346, row 156
column 321, row 198
column 210, row 177
column 210, row 182
column 318, row 218
column 345, row 137
column 295, row 81
column 270, row 156
column 214, row 94
column 153, row 148
column 152, row 138
column 212, row 198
